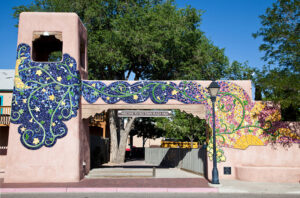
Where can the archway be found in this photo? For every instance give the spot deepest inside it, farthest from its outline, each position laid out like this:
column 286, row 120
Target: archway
column 165, row 156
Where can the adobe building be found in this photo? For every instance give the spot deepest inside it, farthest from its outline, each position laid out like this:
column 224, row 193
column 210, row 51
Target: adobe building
column 39, row 35
column 52, row 102
column 6, row 89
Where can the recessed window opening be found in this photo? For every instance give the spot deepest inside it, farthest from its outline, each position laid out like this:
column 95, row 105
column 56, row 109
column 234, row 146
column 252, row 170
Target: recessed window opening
column 47, row 46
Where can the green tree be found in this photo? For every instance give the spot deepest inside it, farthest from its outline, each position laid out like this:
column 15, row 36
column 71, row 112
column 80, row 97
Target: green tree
column 152, row 39
column 281, row 34
column 147, row 129
column 183, row 126
column 240, row 71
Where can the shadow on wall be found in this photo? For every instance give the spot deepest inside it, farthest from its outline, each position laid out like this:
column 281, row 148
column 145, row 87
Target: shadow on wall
column 99, row 149
column 173, row 158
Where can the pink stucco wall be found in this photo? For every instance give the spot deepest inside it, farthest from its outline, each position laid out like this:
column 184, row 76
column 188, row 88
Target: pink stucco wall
column 56, row 164
column 68, row 23
column 2, row 162
column 270, row 163
column 62, row 162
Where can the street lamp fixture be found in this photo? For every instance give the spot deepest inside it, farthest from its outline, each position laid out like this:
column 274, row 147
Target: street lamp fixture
column 213, row 89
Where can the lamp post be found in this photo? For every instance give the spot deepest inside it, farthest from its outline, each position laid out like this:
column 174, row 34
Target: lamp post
column 213, row 91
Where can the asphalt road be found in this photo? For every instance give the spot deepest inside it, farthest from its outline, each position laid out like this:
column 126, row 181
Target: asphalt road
column 146, row 195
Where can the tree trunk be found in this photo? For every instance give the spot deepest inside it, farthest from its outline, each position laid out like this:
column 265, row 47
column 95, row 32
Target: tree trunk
column 144, row 141
column 113, row 136
column 123, row 141
column 118, row 148
column 192, row 141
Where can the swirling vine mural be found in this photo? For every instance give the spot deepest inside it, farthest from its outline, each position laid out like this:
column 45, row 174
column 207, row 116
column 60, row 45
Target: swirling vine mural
column 45, row 95
column 237, row 122
column 158, row 91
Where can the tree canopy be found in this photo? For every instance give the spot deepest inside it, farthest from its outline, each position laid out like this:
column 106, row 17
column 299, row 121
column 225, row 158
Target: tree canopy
column 147, row 129
column 183, row 126
column 151, row 38
column 280, row 79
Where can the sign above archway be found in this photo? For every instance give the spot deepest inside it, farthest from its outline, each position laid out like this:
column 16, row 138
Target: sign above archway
column 144, row 113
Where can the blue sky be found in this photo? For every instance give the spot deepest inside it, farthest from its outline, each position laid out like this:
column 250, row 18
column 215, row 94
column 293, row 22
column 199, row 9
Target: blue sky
column 228, row 23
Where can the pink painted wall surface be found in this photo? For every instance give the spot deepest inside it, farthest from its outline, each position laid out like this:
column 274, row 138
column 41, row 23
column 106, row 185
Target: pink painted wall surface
column 2, row 162
column 68, row 23
column 270, row 163
column 63, row 162
column 56, row 164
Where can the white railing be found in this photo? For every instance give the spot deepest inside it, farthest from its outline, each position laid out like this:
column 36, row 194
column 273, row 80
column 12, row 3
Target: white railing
column 5, row 115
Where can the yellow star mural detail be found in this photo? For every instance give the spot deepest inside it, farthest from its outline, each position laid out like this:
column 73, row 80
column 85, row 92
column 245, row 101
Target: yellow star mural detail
column 37, row 109
column 52, row 97
column 36, row 141
column 39, row 72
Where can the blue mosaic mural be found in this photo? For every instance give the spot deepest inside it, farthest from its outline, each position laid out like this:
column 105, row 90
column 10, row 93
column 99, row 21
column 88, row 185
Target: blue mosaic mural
column 45, row 95
column 48, row 94
column 159, row 92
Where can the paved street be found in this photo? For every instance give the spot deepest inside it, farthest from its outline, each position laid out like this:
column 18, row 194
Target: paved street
column 147, row 195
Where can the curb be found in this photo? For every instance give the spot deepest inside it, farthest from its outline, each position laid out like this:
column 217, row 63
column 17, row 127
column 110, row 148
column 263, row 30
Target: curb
column 91, row 190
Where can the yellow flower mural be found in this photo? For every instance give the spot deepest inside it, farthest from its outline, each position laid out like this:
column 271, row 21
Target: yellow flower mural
column 246, row 140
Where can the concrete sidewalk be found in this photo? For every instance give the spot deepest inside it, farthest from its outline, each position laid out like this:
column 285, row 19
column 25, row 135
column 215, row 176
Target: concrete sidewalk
column 143, row 172
column 237, row 186
column 172, row 184
column 136, row 176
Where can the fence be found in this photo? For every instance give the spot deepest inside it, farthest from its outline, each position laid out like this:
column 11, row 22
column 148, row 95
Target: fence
column 189, row 159
column 4, row 115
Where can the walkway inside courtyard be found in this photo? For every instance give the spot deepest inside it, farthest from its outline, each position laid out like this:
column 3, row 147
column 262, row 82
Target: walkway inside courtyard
column 138, row 169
